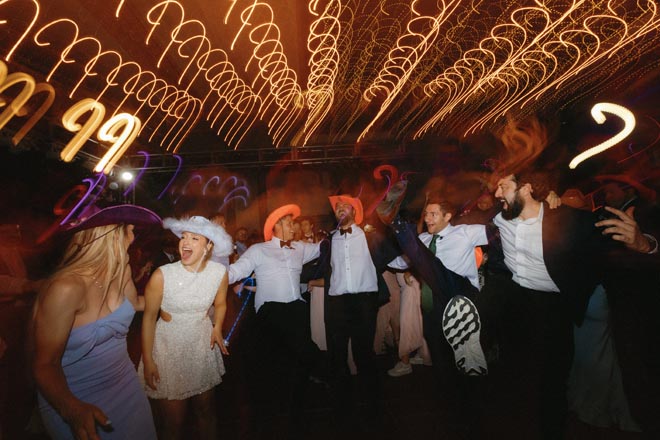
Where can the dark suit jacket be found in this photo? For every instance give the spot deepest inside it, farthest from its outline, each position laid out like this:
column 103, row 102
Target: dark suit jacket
column 574, row 251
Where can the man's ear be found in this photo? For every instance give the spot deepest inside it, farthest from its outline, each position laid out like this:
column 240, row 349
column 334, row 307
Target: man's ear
column 448, row 217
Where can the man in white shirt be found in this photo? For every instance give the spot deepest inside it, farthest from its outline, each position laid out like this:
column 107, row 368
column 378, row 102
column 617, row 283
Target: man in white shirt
column 282, row 315
column 443, row 255
column 351, row 305
column 556, row 260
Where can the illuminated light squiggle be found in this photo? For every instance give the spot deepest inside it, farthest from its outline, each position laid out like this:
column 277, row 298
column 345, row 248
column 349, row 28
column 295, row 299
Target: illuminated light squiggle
column 273, row 68
column 324, row 33
column 27, row 31
column 119, row 6
column 83, row 132
column 121, row 130
column 89, row 69
column 20, row 100
column 374, row 28
column 225, row 83
column 541, row 59
column 598, row 113
column 91, row 63
column 193, row 178
column 143, row 168
column 409, row 50
column 176, row 173
column 43, row 108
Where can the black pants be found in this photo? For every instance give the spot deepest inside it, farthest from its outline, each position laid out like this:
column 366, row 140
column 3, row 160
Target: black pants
column 352, row 316
column 285, row 328
column 443, row 282
column 535, row 337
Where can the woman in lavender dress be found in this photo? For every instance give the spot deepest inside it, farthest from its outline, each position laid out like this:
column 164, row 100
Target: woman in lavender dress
column 88, row 386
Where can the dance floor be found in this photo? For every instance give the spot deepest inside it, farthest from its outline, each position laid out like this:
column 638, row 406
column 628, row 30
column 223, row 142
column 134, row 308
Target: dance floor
column 253, row 401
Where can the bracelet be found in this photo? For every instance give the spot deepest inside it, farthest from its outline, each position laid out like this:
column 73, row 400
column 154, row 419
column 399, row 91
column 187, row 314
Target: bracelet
column 653, row 242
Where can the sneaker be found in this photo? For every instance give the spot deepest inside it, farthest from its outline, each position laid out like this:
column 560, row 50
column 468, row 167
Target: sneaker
column 417, row 360
column 400, row 369
column 388, row 208
column 461, row 326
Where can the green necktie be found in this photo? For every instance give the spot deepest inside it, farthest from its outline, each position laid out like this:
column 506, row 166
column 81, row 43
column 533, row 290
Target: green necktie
column 427, row 295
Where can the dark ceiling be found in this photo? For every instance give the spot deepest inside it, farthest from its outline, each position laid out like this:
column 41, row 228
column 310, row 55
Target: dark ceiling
column 246, row 81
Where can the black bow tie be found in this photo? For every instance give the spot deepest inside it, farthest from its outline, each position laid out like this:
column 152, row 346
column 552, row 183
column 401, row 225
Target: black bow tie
column 285, row 244
column 348, row 230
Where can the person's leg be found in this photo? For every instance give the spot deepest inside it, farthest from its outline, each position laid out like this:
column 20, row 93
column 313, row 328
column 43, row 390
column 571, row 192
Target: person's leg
column 171, row 414
column 204, row 412
column 444, row 283
column 337, row 335
column 363, row 310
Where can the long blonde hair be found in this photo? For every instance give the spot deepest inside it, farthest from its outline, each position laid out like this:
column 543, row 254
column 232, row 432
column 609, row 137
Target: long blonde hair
column 96, row 250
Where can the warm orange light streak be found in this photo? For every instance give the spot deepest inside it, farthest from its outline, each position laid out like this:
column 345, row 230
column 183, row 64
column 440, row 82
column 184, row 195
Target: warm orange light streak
column 119, row 6
column 89, row 68
column 272, row 63
column 111, row 77
column 324, row 63
column 153, row 12
column 407, row 54
column 43, row 108
column 27, row 31
column 22, row 97
column 121, row 130
column 598, row 113
column 173, row 41
column 83, row 132
column 541, row 51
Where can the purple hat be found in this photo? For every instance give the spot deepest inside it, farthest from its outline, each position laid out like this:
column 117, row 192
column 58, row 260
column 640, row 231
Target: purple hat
column 93, row 217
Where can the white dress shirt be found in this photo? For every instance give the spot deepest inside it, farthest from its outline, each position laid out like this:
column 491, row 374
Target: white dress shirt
column 522, row 243
column 454, row 247
column 276, row 268
column 353, row 270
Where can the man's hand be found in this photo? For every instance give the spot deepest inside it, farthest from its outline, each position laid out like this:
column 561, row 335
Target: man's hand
column 553, row 200
column 626, row 230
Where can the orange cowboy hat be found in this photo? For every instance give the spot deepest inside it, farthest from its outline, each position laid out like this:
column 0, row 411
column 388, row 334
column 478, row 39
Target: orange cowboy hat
column 276, row 215
column 353, row 201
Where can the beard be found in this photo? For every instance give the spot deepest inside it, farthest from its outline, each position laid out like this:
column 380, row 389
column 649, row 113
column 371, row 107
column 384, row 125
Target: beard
column 513, row 209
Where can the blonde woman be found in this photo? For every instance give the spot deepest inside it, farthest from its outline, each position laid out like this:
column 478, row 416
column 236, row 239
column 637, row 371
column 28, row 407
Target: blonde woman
column 88, row 386
column 182, row 352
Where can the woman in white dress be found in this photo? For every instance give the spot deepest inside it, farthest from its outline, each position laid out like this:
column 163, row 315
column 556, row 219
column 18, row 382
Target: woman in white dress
column 182, row 352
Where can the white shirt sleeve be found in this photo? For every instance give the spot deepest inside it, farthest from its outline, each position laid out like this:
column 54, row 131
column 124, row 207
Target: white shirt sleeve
column 311, row 251
column 245, row 265
column 477, row 234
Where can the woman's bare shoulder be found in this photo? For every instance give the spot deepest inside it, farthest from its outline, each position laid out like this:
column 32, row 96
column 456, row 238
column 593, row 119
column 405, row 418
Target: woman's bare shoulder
column 65, row 290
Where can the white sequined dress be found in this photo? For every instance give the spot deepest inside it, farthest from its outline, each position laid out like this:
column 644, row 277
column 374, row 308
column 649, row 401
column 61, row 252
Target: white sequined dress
column 182, row 347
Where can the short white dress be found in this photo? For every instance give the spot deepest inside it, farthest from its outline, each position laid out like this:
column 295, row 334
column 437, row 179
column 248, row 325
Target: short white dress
column 182, row 347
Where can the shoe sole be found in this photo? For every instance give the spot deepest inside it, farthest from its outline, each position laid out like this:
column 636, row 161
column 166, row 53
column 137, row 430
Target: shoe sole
column 461, row 326
column 399, row 373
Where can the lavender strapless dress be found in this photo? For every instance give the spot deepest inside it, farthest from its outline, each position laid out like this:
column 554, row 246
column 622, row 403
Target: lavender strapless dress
column 98, row 371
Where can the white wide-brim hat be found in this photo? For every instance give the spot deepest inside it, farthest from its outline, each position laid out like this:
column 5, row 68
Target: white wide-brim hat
column 222, row 242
